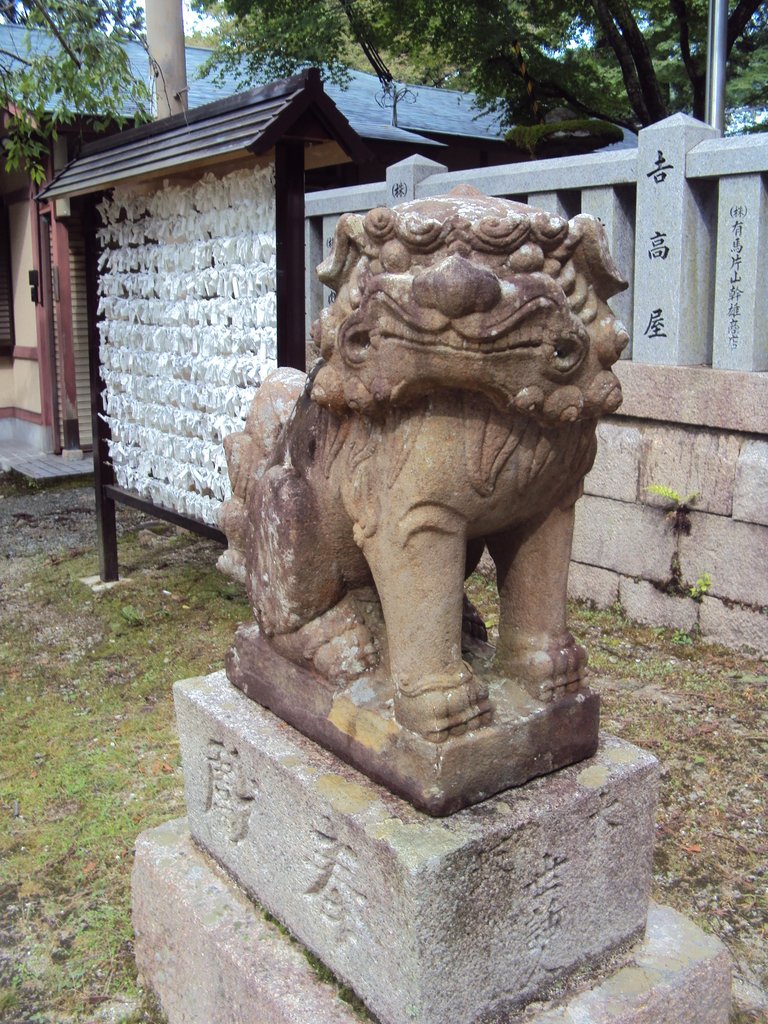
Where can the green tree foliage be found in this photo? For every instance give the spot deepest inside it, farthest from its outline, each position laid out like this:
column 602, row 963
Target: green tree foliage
column 76, row 66
column 625, row 62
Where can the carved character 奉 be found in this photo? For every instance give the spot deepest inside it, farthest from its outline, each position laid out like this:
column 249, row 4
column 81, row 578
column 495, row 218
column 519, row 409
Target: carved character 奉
column 464, row 365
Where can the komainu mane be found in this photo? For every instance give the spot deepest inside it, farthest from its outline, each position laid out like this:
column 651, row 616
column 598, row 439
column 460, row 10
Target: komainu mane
column 464, row 365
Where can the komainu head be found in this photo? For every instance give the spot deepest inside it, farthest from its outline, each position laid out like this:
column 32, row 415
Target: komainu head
column 468, row 292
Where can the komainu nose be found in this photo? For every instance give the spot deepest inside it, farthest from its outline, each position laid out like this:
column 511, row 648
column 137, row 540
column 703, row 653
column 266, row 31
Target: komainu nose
column 457, row 288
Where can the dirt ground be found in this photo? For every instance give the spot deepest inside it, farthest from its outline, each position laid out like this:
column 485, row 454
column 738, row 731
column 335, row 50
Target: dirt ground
column 65, row 940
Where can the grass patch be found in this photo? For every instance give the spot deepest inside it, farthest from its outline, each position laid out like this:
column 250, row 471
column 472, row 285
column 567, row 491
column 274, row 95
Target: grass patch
column 703, row 711
column 91, row 754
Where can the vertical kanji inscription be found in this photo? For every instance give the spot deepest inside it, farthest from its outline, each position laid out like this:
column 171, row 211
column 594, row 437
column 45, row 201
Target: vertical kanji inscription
column 230, row 793
column 333, row 865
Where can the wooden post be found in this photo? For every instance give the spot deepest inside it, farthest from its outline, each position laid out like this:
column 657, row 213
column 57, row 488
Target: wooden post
column 104, row 475
column 46, row 326
column 70, row 429
column 289, row 232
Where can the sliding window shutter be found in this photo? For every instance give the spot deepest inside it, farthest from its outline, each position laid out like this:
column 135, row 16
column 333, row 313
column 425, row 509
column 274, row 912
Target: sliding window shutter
column 6, row 290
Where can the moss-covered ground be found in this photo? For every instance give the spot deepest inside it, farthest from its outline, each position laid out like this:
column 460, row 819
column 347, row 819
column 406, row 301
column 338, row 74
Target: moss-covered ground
column 90, row 756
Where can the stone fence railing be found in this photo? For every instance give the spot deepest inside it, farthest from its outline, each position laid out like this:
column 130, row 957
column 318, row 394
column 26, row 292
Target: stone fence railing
column 687, row 220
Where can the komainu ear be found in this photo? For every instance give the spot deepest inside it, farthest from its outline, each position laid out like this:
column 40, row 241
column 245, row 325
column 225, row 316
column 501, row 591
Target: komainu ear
column 349, row 230
column 594, row 257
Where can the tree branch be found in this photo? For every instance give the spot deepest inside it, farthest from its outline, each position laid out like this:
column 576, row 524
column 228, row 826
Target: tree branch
column 739, row 19
column 366, row 44
column 15, row 56
column 10, row 12
column 680, row 11
column 624, row 56
column 553, row 90
column 641, row 57
column 55, row 29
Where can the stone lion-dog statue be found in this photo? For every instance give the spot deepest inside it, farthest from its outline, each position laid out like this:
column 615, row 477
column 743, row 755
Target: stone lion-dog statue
column 463, row 367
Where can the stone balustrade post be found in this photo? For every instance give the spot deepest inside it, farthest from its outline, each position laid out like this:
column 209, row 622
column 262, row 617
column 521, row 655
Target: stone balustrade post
column 404, row 178
column 314, row 252
column 613, row 209
column 564, row 203
column 674, row 248
column 329, row 227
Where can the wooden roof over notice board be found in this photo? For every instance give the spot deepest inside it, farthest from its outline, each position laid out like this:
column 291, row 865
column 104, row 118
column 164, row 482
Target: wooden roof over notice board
column 250, row 123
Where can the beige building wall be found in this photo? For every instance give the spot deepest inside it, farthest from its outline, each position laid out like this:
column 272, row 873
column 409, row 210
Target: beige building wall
column 22, row 261
column 20, row 384
column 7, row 397
column 26, row 385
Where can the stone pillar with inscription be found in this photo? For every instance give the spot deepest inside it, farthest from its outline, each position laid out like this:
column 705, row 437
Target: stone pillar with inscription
column 329, row 227
column 741, row 296
column 674, row 248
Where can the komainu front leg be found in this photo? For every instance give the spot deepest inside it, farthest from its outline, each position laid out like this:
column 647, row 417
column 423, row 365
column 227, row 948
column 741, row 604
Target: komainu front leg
column 535, row 646
column 418, row 567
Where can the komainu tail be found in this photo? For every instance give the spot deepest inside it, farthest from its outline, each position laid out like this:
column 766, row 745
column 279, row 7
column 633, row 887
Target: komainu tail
column 248, row 453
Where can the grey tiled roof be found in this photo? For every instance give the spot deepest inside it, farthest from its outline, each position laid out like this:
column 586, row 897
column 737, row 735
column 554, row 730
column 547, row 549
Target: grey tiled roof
column 437, row 111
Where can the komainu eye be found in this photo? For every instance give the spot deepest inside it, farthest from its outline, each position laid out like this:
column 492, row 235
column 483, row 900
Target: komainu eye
column 568, row 352
column 355, row 343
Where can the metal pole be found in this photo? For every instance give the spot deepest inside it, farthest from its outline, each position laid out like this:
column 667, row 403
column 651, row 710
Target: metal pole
column 716, row 55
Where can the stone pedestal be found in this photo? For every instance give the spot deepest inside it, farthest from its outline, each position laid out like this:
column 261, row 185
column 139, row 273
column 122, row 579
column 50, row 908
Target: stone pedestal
column 209, row 952
column 212, row 955
column 539, row 893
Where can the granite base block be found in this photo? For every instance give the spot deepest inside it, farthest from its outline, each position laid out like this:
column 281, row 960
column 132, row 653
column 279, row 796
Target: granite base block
column 677, row 975
column 212, row 958
column 465, row 918
column 208, row 952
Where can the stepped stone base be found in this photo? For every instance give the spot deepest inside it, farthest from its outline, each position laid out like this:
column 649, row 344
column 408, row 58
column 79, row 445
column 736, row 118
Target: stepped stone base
column 208, row 952
column 211, row 956
column 466, row 918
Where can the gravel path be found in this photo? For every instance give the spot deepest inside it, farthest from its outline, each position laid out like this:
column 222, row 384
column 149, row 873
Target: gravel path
column 52, row 520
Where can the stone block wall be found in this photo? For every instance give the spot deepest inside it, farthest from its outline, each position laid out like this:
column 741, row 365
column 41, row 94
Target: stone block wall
column 627, row 550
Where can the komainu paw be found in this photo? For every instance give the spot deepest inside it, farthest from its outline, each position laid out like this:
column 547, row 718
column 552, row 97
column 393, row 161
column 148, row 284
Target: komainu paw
column 547, row 671
column 443, row 705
